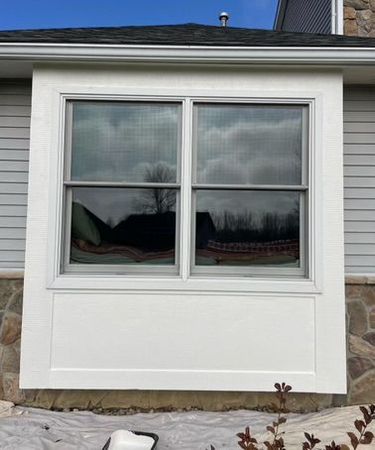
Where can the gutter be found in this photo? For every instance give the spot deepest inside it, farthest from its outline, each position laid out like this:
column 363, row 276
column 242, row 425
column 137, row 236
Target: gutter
column 332, row 56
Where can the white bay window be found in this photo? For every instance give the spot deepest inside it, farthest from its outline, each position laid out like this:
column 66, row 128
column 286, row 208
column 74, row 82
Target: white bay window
column 184, row 229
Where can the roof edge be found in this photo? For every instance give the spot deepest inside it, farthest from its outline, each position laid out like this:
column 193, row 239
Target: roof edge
column 102, row 53
column 280, row 15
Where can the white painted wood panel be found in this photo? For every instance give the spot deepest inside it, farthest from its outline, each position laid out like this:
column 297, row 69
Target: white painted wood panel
column 207, row 351
column 201, row 333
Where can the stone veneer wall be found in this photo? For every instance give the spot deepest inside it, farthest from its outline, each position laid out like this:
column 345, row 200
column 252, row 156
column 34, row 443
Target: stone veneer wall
column 360, row 295
column 359, row 18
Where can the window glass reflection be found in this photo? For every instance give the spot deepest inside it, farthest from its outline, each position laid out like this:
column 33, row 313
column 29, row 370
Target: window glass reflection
column 242, row 228
column 123, row 226
column 248, row 144
column 123, row 141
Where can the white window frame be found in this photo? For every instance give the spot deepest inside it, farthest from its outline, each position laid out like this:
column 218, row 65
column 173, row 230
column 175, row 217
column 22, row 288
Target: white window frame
column 255, row 283
column 187, row 127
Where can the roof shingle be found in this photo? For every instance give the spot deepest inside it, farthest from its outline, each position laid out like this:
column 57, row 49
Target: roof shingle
column 185, row 34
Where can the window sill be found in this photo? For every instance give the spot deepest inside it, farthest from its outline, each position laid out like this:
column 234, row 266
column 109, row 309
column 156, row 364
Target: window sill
column 192, row 285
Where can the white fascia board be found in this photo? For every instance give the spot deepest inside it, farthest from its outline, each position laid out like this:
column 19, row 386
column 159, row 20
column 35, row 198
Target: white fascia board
column 120, row 53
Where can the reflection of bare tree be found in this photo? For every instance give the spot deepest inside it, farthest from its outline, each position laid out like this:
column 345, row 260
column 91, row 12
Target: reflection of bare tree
column 158, row 200
column 243, row 227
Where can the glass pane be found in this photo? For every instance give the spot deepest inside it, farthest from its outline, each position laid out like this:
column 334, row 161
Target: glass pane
column 124, row 141
column 242, row 144
column 123, row 226
column 248, row 228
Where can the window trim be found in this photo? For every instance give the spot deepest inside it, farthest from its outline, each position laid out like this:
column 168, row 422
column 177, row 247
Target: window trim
column 312, row 283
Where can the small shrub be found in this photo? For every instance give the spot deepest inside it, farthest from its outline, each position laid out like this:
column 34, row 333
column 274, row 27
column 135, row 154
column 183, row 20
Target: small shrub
column 361, row 435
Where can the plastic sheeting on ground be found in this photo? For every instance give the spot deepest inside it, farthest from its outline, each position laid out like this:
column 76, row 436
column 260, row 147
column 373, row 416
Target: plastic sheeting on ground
column 36, row 429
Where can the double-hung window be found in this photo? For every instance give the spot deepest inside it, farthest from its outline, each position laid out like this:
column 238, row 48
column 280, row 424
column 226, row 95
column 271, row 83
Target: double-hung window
column 245, row 170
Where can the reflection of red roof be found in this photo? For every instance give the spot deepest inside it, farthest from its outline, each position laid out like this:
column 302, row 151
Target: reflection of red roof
column 127, row 251
column 289, row 247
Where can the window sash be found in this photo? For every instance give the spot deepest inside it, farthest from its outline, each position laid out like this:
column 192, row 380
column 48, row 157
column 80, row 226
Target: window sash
column 116, row 269
column 186, row 186
column 303, row 188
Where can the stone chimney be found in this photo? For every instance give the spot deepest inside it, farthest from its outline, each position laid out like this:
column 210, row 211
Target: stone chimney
column 359, row 18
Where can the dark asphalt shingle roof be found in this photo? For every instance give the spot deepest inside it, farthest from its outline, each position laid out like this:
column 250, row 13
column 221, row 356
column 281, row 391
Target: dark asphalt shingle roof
column 186, row 34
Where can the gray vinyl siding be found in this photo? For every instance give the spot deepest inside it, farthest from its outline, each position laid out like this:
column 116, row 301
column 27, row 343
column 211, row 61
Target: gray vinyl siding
column 308, row 16
column 359, row 181
column 15, row 109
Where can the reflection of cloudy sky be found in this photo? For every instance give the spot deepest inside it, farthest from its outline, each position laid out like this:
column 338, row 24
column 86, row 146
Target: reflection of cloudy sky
column 249, row 144
column 119, row 141
column 254, row 203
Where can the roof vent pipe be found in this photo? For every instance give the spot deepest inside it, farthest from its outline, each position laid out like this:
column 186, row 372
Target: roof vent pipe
column 224, row 17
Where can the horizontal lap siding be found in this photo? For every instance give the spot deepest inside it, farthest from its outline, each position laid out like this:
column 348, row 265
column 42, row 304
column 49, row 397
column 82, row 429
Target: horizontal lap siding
column 359, row 181
column 308, row 16
column 15, row 110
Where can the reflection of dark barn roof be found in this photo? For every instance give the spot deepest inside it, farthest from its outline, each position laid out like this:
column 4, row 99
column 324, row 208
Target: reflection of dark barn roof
column 205, row 229
column 140, row 221
column 184, row 34
column 204, row 219
column 151, row 231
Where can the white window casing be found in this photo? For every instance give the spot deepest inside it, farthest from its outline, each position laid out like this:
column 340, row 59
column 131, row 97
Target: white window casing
column 185, row 332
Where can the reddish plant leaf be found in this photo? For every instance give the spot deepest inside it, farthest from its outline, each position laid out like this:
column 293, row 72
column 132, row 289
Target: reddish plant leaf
column 359, row 424
column 367, row 438
column 366, row 414
column 353, row 439
column 270, row 429
column 333, row 446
